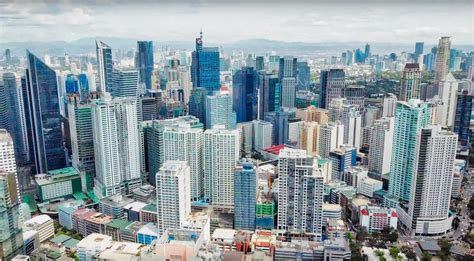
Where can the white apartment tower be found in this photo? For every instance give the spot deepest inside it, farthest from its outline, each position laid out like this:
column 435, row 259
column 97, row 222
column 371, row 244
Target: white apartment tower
column 331, row 136
column 381, row 141
column 445, row 112
column 262, row 134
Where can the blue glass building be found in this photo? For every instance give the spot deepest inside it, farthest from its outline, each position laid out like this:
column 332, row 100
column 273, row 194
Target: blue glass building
column 44, row 116
column 279, row 121
column 259, row 63
column 104, row 66
column 84, row 86
column 145, row 62
column 269, row 90
column 205, row 67
column 303, row 76
column 245, row 196
column 219, row 111
column 72, row 84
column 244, row 94
column 342, row 159
column 462, row 119
column 197, row 104
column 332, row 86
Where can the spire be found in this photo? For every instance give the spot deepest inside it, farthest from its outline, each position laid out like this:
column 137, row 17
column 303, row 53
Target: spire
column 200, row 33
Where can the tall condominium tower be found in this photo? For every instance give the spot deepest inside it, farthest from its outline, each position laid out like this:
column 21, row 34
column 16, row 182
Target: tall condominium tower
column 221, row 153
column 349, row 116
column 332, row 86
column 442, row 58
column 431, row 184
column 144, row 62
column 380, row 146
column 331, row 136
column 116, row 146
column 410, row 118
column 245, row 195
column 184, row 143
column 411, row 80
column 219, row 110
column 205, row 69
column 104, row 66
column 173, row 200
column 287, row 75
column 262, row 134
column 44, row 116
column 445, row 112
column 125, row 83
column 244, row 94
column 389, row 105
column 300, row 193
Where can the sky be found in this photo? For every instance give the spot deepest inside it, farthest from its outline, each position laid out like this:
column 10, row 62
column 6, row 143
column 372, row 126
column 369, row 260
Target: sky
column 232, row 20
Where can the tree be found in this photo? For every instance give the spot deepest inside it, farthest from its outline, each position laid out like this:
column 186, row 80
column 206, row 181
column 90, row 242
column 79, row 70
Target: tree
column 394, row 251
column 355, row 250
column 445, row 246
column 362, row 234
column 426, row 256
column 379, row 253
column 410, row 255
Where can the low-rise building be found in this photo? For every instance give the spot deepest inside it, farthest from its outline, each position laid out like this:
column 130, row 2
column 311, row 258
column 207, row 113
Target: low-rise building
column 79, row 219
column 43, row 224
column 132, row 210
column 147, row 234
column 97, row 223
column 65, row 212
column 92, row 245
column 331, row 211
column 58, row 183
column 113, row 205
column 149, row 213
column 125, row 251
column 335, row 228
column 377, row 218
column 367, row 186
column 144, row 193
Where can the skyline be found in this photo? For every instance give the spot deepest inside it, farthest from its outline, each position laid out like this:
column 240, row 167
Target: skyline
column 369, row 21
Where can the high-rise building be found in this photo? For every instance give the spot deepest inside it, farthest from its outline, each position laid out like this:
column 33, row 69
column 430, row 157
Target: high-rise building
column 173, row 199
column 287, row 75
column 269, row 91
column 82, row 139
column 273, row 63
column 303, row 76
column 410, row 118
column 184, row 143
column 389, row 105
column 309, row 137
column 219, row 110
column 445, row 111
column 380, row 147
column 349, row 115
column 462, row 119
column 279, row 121
column 125, row 83
column 371, row 114
column 262, row 135
column 343, row 158
column 331, row 137
column 221, row 153
column 245, row 195
column 116, row 146
column 104, row 66
column 144, row 62
column 84, row 86
column 259, row 63
column 332, row 86
column 197, row 104
column 442, row 58
column 44, row 116
column 8, row 56
column 205, row 70
column 431, row 183
column 355, row 95
column 312, row 113
column 367, row 52
column 411, row 80
column 419, row 48
column 300, row 193
column 244, row 94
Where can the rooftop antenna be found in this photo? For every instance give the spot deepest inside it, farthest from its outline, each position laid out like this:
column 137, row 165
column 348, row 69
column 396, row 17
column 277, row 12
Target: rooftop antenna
column 200, row 33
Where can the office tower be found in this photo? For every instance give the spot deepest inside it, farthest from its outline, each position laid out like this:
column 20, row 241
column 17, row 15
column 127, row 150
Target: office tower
column 312, row 113
column 389, row 105
column 219, row 110
column 445, row 112
column 221, row 153
column 244, row 94
column 349, row 116
column 269, row 90
column 442, row 58
column 173, row 199
column 8, row 56
column 104, row 66
column 367, row 53
column 462, row 119
column 359, row 56
column 332, row 86
column 184, row 78
column 431, row 184
column 11, row 234
column 72, row 84
column 419, row 48
column 410, row 118
column 84, row 88
column 273, row 63
column 380, row 147
column 262, row 135
column 184, row 143
column 343, row 158
column 246, row 137
column 279, row 121
column 300, row 194
column 245, row 195
column 205, row 70
column 355, row 95
column 144, row 62
column 82, row 139
column 125, row 83
column 294, row 132
column 197, row 104
column 44, row 116
column 287, row 75
column 4, row 115
column 411, row 79
column 116, row 146
column 331, row 137
column 309, row 137
column 259, row 63
column 303, row 76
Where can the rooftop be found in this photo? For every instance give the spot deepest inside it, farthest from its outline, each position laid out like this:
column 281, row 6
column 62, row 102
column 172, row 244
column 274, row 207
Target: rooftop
column 5, row 136
column 118, row 223
column 224, row 233
column 58, row 175
column 38, row 220
column 116, row 200
column 135, row 206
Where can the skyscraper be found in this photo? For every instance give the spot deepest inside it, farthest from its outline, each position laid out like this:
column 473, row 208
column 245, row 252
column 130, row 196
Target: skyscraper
column 462, row 119
column 445, row 112
column 244, row 94
column 287, row 75
column 367, row 51
column 221, row 153
column 104, row 66
column 197, row 104
column 419, row 48
column 332, row 86
column 349, row 116
column 245, row 195
column 173, row 200
column 343, row 158
column 380, row 147
column 205, row 70
column 431, row 184
column 389, row 105
column 44, row 116
column 259, row 63
column 411, row 79
column 300, row 194
column 269, row 90
column 116, row 146
column 331, row 136
column 262, row 135
column 410, row 118
column 145, row 62
column 125, row 83
column 8, row 56
column 355, row 95
column 219, row 110
column 279, row 121
column 303, row 75
column 442, row 58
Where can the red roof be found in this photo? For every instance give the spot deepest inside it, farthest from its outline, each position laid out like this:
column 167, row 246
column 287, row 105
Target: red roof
column 364, row 212
column 275, row 149
column 394, row 214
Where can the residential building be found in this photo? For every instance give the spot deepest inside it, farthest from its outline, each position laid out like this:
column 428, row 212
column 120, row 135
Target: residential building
column 410, row 84
column 245, row 182
column 380, row 147
column 11, row 236
column 389, row 105
column 125, row 83
column 43, row 224
column 219, row 110
column 331, row 135
column 445, row 111
column 313, row 113
column 375, row 219
column 442, row 58
column 342, row 159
